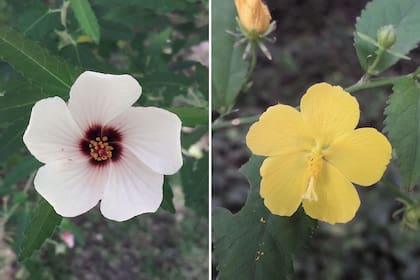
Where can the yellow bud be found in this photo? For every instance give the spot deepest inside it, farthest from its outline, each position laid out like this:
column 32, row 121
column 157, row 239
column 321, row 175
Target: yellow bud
column 254, row 15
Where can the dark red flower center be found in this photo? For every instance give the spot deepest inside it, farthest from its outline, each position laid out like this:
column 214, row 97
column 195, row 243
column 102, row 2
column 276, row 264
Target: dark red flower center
column 101, row 144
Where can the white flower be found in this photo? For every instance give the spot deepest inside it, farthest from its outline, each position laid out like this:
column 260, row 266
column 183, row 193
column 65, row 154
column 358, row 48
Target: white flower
column 99, row 148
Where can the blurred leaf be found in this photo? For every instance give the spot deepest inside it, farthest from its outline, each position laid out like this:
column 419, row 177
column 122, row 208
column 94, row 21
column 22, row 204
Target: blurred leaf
column 190, row 138
column 253, row 243
column 228, row 68
column 191, row 116
column 11, row 138
column 156, row 5
column 403, row 127
column 86, row 18
column 19, row 172
column 22, row 219
column 41, row 227
column 48, row 72
column 194, row 174
column 167, row 202
column 402, row 14
column 15, row 107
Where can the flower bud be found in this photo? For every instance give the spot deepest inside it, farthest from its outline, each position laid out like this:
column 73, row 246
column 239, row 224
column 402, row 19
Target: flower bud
column 253, row 15
column 386, row 36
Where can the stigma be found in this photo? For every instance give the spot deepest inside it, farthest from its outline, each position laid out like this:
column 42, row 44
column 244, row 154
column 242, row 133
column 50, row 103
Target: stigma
column 315, row 164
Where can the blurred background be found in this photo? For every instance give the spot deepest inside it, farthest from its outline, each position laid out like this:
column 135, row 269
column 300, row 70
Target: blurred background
column 314, row 44
column 164, row 45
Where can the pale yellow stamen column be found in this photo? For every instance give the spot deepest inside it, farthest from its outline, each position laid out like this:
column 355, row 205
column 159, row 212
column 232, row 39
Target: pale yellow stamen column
column 315, row 164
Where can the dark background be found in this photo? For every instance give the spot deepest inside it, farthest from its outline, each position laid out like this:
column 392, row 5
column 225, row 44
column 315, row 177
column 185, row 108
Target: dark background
column 315, row 44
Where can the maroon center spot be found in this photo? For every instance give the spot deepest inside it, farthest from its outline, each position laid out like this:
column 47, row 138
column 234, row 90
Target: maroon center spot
column 101, row 144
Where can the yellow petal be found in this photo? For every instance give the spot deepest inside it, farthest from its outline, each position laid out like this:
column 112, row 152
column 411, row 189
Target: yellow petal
column 329, row 112
column 283, row 183
column 337, row 201
column 362, row 155
column 280, row 130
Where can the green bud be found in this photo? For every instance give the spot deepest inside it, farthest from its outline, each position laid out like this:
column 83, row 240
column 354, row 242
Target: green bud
column 386, row 36
column 411, row 217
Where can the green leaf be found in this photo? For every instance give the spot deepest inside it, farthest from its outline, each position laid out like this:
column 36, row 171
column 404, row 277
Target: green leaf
column 44, row 70
column 42, row 226
column 228, row 68
column 253, row 243
column 156, row 5
column 18, row 173
column 403, row 127
column 86, row 18
column 403, row 14
column 194, row 175
column 167, row 203
column 21, row 218
column 15, row 107
column 191, row 116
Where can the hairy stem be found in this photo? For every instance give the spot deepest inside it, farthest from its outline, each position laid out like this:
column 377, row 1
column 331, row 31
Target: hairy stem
column 375, row 83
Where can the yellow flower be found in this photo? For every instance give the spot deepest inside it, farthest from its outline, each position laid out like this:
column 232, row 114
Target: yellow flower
column 254, row 15
column 314, row 155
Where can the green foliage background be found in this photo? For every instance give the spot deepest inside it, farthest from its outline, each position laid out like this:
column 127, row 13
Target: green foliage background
column 46, row 44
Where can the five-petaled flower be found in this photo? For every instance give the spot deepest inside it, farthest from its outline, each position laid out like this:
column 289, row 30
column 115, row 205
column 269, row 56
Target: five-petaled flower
column 314, row 155
column 99, row 148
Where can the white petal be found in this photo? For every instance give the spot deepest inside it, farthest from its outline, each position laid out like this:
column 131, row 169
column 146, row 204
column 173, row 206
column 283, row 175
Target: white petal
column 97, row 98
column 72, row 188
column 132, row 189
column 52, row 134
column 153, row 135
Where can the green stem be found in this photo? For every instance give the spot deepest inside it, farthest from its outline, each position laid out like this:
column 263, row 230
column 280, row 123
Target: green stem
column 219, row 124
column 227, row 110
column 397, row 191
column 371, row 69
column 253, row 61
column 375, row 83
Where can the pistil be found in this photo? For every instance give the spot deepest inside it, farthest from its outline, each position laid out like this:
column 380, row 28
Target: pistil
column 315, row 163
column 100, row 149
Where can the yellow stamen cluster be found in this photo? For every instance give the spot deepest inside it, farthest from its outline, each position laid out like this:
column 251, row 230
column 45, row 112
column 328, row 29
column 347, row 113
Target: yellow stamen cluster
column 100, row 149
column 315, row 163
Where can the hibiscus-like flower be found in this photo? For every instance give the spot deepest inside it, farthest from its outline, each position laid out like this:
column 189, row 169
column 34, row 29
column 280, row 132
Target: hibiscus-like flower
column 314, row 155
column 99, row 148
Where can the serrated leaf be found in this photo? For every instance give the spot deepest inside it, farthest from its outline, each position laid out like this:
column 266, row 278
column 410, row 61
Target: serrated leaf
column 228, row 68
column 86, row 18
column 44, row 70
column 191, row 116
column 403, row 127
column 167, row 202
column 254, row 244
column 194, row 175
column 41, row 227
column 403, row 15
